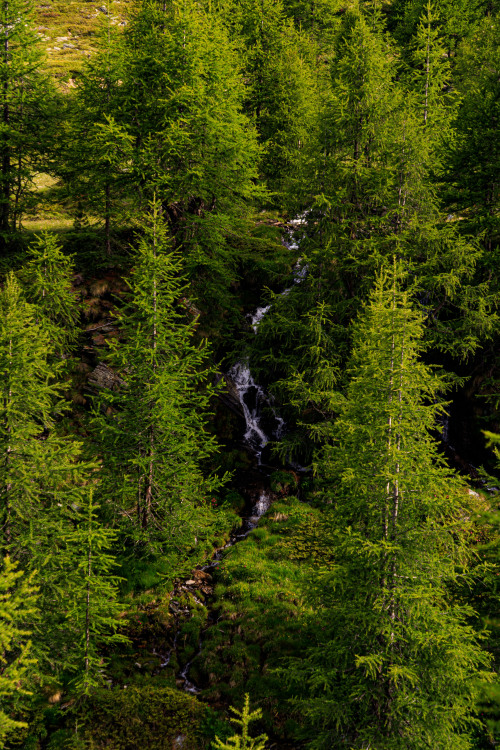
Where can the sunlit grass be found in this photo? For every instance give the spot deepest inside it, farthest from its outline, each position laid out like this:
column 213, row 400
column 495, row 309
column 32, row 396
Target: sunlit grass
column 56, row 224
column 68, row 28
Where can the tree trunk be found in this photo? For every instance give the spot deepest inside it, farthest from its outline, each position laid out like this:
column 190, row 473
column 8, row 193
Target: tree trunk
column 5, row 148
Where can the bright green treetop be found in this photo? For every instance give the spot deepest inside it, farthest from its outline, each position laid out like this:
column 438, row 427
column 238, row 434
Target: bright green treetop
column 18, row 598
column 243, row 741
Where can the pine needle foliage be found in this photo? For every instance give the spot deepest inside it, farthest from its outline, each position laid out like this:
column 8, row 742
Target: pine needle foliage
column 25, row 99
column 400, row 669
column 243, row 741
column 18, row 599
column 154, row 441
column 46, row 279
column 91, row 605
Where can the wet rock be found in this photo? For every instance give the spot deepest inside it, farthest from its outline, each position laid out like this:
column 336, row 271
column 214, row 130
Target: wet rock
column 201, row 575
column 104, row 377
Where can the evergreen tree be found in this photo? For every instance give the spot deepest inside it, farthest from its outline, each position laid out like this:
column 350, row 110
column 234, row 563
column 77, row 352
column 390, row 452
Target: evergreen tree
column 95, row 175
column 179, row 107
column 400, row 669
column 243, row 741
column 459, row 19
column 27, row 404
column 431, row 71
column 25, row 97
column 153, row 439
column 90, row 602
column 282, row 91
column 367, row 190
column 474, row 154
column 47, row 277
column 18, row 599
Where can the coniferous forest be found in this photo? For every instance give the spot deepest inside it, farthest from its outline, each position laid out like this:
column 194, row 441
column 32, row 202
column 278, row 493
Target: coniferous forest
column 249, row 374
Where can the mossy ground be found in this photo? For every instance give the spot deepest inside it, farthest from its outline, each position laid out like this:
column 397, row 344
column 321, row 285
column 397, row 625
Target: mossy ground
column 262, row 614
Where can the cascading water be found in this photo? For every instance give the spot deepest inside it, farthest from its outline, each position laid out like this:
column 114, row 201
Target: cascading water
column 254, row 402
column 252, row 397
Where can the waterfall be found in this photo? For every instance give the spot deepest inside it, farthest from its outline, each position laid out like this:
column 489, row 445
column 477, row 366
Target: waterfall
column 252, row 397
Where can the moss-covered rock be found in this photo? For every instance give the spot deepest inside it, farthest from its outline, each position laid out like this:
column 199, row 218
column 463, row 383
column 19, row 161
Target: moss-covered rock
column 142, row 717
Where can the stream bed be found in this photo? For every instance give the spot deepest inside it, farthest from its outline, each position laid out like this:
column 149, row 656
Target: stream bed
column 254, row 401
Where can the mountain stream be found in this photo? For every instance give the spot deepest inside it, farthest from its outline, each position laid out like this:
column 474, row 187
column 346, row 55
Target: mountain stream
column 253, row 400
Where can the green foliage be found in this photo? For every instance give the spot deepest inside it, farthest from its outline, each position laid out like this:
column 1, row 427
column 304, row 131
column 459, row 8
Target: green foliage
column 25, row 101
column 243, row 741
column 153, row 438
column 28, row 401
column 400, row 667
column 96, row 176
column 152, row 717
column 281, row 94
column 93, row 614
column 46, row 278
column 18, row 600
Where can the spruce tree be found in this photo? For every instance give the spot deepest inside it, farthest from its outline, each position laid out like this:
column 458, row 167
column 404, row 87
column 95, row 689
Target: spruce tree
column 474, row 154
column 401, row 667
column 95, row 176
column 185, row 139
column 153, row 436
column 28, row 396
column 282, row 91
column 42, row 475
column 243, row 741
column 90, row 603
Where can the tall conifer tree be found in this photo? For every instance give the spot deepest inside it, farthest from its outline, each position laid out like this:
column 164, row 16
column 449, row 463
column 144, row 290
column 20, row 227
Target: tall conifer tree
column 399, row 671
column 96, row 175
column 25, row 98
column 154, row 439
column 47, row 278
column 18, row 600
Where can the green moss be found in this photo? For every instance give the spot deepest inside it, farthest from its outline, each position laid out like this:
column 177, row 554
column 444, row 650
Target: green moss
column 141, row 717
column 263, row 613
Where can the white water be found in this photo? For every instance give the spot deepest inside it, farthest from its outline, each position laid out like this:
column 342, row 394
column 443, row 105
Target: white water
column 252, row 397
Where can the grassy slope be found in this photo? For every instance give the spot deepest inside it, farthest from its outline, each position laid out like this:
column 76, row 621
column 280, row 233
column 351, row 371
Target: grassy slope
column 67, row 29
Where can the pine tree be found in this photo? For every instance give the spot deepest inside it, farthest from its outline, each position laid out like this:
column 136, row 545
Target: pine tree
column 400, row 669
column 474, row 154
column 243, row 741
column 154, row 439
column 27, row 404
column 183, row 137
column 431, row 71
column 368, row 189
column 282, row 91
column 92, row 611
column 95, row 176
column 25, row 98
column 18, row 600
column 47, row 278
column 42, row 475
